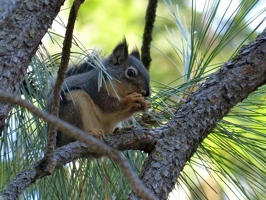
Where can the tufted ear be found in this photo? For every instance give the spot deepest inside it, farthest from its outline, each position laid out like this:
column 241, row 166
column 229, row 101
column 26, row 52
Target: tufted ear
column 135, row 53
column 120, row 53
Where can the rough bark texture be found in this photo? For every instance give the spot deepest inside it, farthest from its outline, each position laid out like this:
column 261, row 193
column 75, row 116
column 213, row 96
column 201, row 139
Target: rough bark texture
column 171, row 146
column 138, row 139
column 34, row 172
column 20, row 36
column 96, row 147
column 7, row 8
column 231, row 84
column 174, row 144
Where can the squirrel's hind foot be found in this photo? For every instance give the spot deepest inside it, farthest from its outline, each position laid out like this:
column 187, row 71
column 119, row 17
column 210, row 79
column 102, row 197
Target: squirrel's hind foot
column 98, row 133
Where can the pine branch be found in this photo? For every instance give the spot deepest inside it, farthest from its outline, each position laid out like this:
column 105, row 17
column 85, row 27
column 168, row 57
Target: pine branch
column 36, row 171
column 48, row 157
column 232, row 83
column 172, row 145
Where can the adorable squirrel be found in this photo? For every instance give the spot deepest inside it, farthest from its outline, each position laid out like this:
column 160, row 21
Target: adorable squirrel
column 99, row 110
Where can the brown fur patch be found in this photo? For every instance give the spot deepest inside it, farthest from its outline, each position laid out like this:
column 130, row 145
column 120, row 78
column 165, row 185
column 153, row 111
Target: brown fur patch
column 90, row 113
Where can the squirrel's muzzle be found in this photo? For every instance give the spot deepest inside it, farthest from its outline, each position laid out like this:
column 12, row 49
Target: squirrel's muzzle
column 145, row 93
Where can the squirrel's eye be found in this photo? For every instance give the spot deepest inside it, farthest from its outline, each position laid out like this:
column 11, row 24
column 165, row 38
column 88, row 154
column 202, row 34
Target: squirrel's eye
column 131, row 73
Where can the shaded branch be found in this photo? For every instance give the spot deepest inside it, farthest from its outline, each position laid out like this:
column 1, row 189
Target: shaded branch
column 27, row 177
column 147, row 34
column 18, row 184
column 48, row 157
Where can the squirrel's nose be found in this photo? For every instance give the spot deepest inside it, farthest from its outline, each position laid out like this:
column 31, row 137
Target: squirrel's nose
column 145, row 93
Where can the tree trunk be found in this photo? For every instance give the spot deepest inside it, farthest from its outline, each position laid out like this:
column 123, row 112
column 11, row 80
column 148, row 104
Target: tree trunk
column 23, row 25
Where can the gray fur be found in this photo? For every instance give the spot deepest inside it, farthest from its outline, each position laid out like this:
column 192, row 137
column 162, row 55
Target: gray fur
column 86, row 78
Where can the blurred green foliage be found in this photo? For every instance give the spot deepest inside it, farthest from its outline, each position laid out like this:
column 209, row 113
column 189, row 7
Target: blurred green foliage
column 102, row 24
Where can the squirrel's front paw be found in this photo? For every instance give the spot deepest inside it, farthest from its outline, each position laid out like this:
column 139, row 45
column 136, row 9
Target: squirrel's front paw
column 137, row 102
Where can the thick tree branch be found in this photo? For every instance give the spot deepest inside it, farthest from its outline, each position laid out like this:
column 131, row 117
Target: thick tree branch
column 173, row 145
column 25, row 178
column 20, row 37
column 213, row 100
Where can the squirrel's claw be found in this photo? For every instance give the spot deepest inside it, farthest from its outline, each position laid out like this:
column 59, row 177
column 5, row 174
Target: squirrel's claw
column 98, row 133
column 137, row 102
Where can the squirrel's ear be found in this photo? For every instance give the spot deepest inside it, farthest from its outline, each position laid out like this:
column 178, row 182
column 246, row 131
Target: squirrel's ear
column 135, row 53
column 120, row 53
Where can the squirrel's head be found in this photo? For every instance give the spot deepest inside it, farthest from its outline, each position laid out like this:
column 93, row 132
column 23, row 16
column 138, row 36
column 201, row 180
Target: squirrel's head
column 129, row 70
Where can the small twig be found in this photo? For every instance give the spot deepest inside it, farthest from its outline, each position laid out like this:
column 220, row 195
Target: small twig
column 78, row 134
column 48, row 157
column 147, row 35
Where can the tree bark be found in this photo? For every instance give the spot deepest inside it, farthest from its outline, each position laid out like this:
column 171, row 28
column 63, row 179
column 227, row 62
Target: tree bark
column 172, row 145
column 232, row 83
column 20, row 35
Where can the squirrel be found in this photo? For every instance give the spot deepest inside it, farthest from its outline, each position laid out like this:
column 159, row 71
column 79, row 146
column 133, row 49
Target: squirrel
column 99, row 110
